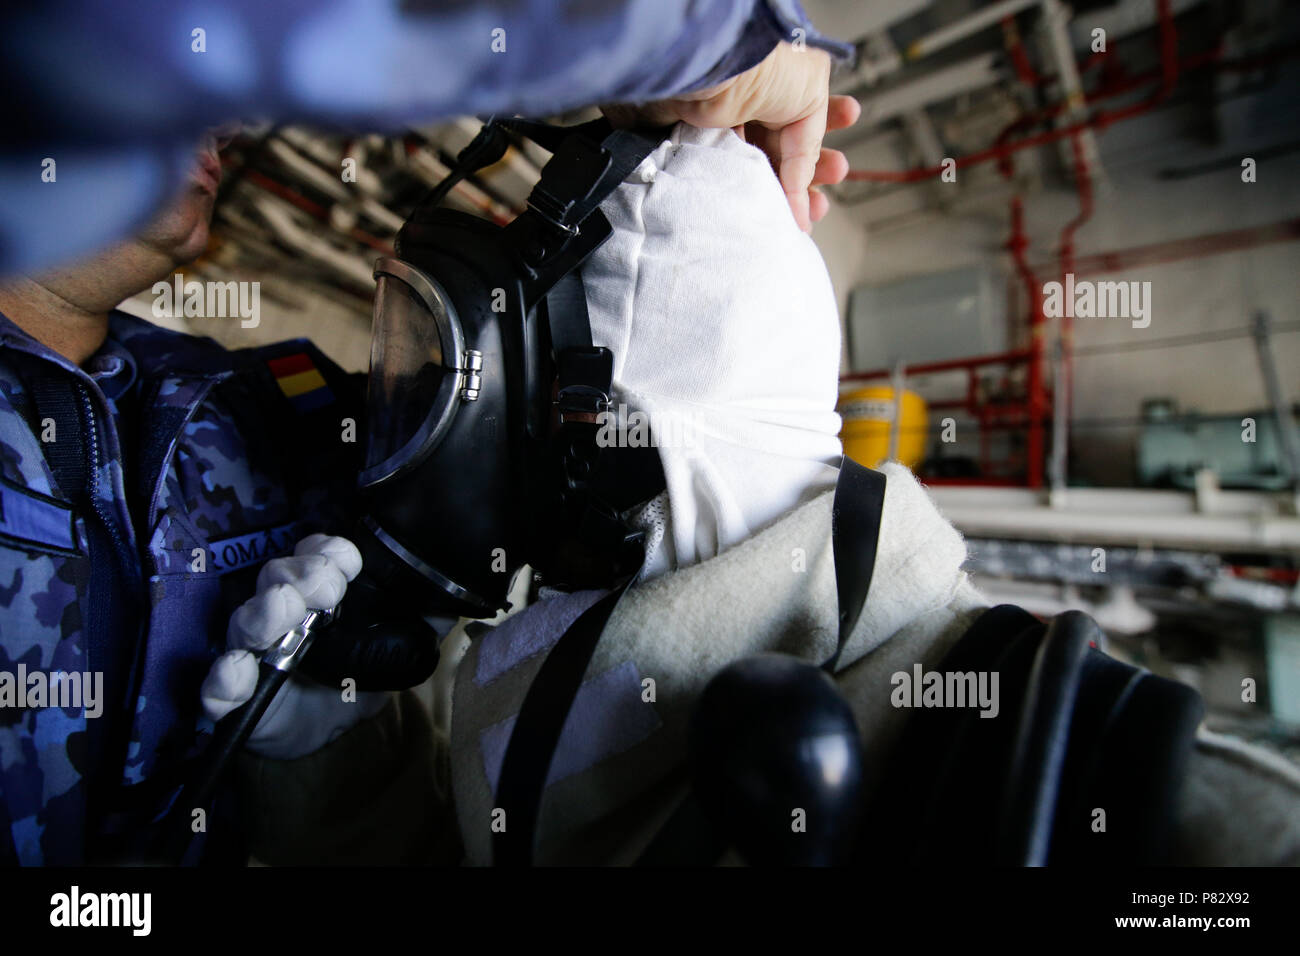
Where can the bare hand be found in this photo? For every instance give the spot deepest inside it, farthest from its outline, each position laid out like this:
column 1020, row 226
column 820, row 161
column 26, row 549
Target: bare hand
column 784, row 107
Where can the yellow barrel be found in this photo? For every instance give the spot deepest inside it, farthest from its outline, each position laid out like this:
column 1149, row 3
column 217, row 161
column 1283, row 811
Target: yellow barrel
column 868, row 413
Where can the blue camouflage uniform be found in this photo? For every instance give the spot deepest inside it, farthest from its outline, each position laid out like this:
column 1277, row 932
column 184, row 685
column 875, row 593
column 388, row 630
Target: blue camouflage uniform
column 122, row 124
column 199, row 464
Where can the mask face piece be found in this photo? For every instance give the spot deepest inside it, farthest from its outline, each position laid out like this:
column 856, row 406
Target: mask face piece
column 444, row 525
column 478, row 329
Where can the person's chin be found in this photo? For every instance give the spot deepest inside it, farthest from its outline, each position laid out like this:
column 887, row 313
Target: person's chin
column 192, row 246
column 181, row 233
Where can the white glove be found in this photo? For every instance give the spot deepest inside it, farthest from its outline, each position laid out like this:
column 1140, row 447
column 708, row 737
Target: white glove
column 305, row 715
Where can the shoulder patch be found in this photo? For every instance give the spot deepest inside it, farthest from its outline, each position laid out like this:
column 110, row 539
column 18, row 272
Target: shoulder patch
column 301, row 382
column 32, row 519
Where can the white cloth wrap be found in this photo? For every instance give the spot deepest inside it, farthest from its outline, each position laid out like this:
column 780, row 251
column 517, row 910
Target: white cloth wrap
column 725, row 333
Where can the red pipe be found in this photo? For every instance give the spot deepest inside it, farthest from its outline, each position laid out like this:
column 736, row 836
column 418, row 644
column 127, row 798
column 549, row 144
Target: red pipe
column 296, row 198
column 999, row 151
column 1034, row 387
column 1036, row 403
column 1019, row 58
column 1084, row 183
column 1036, row 397
column 947, row 365
column 1169, row 78
column 1287, row 230
column 1111, row 90
column 1176, row 250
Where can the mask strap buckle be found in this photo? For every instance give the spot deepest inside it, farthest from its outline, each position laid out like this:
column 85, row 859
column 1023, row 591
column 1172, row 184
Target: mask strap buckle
column 558, row 203
column 586, row 376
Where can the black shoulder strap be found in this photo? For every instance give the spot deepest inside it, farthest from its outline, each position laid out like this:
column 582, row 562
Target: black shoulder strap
column 689, row 837
column 855, row 527
column 856, row 512
column 568, row 318
column 561, row 227
column 527, row 761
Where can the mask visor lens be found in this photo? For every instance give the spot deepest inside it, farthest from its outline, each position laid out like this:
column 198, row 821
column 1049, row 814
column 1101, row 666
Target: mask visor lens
column 412, row 368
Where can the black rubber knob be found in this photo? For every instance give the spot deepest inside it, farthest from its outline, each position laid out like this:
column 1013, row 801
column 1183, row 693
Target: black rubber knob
column 778, row 762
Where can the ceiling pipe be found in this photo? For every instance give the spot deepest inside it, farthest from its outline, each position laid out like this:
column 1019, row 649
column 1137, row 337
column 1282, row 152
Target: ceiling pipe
column 327, row 155
column 878, row 58
column 967, row 26
column 1122, row 20
column 929, row 86
column 1056, row 29
column 423, row 164
column 295, row 237
column 1064, row 384
column 314, row 209
column 1168, row 81
column 332, row 185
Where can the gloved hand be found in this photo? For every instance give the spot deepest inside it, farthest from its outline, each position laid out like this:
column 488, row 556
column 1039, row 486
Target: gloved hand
column 305, row 715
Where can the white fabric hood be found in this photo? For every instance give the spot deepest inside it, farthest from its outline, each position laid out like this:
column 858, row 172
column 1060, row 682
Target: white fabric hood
column 725, row 332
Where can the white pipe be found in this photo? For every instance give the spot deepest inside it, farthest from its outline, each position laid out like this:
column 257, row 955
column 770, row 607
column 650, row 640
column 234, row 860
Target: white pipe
column 333, row 186
column 308, row 170
column 432, row 170
column 1117, row 613
column 291, row 234
column 324, row 154
column 897, row 384
column 997, row 516
column 1056, row 25
column 976, row 73
column 1241, row 752
column 880, row 56
column 879, row 59
column 1060, row 424
column 924, row 138
column 960, row 29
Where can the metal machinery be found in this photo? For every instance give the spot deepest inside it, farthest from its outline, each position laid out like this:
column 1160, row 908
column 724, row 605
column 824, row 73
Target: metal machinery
column 1195, row 574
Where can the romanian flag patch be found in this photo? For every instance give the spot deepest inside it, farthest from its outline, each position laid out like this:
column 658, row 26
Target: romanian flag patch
column 301, row 382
